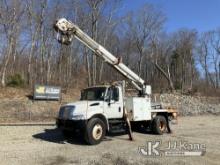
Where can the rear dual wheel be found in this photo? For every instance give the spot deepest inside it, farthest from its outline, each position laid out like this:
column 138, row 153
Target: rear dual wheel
column 159, row 125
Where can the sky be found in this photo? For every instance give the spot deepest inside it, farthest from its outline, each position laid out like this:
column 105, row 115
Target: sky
column 202, row 15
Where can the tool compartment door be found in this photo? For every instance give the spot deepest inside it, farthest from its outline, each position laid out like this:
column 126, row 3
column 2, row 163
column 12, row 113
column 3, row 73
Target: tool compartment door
column 140, row 108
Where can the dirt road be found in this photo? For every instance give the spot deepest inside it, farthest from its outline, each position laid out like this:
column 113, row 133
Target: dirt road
column 46, row 145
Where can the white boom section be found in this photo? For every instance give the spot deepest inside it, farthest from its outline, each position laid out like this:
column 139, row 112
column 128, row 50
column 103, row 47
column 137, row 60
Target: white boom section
column 67, row 30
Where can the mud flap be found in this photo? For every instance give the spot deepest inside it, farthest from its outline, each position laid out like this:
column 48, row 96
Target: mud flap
column 168, row 125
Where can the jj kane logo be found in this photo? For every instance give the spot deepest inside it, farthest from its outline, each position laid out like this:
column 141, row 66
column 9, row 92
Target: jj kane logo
column 172, row 148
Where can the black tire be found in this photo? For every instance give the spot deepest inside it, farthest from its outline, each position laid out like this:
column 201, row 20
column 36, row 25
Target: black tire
column 159, row 125
column 95, row 131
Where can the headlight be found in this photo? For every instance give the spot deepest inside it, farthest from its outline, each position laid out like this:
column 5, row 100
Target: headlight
column 78, row 117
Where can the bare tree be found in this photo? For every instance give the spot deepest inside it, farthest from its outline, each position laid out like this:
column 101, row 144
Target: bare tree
column 10, row 21
column 204, row 55
column 215, row 56
column 34, row 31
column 161, row 52
column 144, row 25
column 166, row 60
column 95, row 7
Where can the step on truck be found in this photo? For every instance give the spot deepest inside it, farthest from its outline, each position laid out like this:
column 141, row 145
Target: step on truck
column 106, row 108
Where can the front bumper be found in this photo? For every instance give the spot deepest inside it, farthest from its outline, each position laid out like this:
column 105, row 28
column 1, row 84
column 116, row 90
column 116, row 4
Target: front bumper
column 71, row 124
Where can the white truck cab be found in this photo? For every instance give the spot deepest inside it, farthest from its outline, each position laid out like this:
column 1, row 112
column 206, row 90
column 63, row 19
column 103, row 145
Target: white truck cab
column 104, row 100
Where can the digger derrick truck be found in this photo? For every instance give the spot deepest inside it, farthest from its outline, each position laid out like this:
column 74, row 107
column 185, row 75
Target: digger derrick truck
column 103, row 108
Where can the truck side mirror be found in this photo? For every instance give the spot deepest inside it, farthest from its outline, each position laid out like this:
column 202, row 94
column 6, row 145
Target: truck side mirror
column 111, row 102
column 108, row 98
column 112, row 95
column 115, row 94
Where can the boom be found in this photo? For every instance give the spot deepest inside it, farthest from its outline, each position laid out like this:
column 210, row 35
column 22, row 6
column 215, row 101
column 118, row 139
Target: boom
column 67, row 30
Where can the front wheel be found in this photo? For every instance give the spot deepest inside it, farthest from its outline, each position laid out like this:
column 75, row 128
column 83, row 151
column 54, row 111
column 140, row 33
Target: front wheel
column 159, row 125
column 95, row 131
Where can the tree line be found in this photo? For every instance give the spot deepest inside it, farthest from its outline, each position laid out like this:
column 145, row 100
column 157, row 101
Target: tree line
column 184, row 60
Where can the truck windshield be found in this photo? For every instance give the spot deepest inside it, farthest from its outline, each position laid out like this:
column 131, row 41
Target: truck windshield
column 97, row 93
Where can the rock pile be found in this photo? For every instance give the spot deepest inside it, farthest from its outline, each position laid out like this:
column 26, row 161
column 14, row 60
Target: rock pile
column 189, row 105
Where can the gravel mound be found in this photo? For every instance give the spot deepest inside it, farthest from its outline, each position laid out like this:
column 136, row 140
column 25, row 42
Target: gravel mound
column 189, row 105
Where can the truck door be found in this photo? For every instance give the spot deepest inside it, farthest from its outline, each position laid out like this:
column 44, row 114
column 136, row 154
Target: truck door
column 113, row 105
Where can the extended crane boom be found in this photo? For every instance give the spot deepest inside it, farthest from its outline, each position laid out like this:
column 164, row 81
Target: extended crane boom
column 68, row 30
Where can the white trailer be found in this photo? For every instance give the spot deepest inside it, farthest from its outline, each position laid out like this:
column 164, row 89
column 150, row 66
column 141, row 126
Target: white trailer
column 103, row 109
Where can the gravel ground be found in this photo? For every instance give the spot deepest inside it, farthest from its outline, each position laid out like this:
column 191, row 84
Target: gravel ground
column 27, row 145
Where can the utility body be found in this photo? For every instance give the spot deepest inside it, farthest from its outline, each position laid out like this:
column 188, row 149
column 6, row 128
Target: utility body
column 105, row 108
